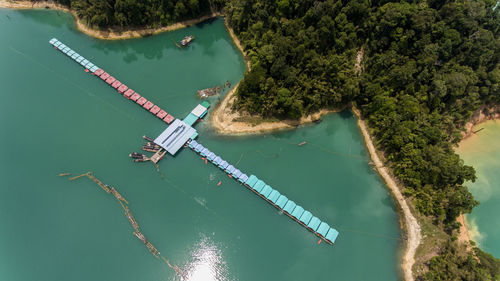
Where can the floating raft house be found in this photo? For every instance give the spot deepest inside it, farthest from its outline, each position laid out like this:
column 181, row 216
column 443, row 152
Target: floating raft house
column 271, row 195
column 112, row 81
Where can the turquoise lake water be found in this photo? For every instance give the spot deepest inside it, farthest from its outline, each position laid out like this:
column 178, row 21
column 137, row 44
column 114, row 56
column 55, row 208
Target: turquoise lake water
column 482, row 151
column 56, row 118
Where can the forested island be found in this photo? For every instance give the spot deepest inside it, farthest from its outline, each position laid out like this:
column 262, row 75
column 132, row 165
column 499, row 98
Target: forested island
column 416, row 70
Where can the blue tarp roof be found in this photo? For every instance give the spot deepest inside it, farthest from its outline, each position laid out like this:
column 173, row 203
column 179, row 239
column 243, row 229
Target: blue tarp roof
column 266, row 190
column 323, row 228
column 230, row 169
column 243, row 178
column 273, row 196
column 332, row 235
column 251, row 180
column 289, row 206
column 217, row 160
column 259, row 185
column 314, row 223
column 211, row 156
column 223, row 164
column 306, row 217
column 237, row 173
column 297, row 212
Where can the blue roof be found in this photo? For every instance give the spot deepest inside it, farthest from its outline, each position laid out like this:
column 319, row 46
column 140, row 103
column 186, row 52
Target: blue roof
column 323, row 228
column 211, row 156
column 89, row 65
column 230, row 169
column 62, row 46
column 273, row 196
column 53, row 40
column 259, row 185
column 94, row 68
column 66, row 50
column 266, row 190
column 251, row 180
column 74, row 56
column 190, row 119
column 236, row 173
column 217, row 160
column 332, row 235
column 193, row 143
column 289, row 206
column 78, row 60
column 198, row 147
column 314, row 223
column 243, row 178
column 281, row 201
column 84, row 62
column 57, row 44
column 297, row 212
column 306, row 217
column 204, row 152
column 71, row 52
column 223, row 164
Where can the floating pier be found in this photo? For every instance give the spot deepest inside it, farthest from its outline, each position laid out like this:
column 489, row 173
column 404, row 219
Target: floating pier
column 113, row 82
column 180, row 133
column 272, row 196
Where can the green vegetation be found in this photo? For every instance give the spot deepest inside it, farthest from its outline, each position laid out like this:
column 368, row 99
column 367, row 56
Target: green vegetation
column 427, row 66
column 132, row 13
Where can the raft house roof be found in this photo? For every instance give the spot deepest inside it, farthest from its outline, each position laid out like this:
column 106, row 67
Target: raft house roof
column 281, row 201
column 175, row 136
column 259, row 185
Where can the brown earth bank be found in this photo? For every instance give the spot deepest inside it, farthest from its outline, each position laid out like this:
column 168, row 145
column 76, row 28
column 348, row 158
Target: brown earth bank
column 484, row 113
column 112, row 33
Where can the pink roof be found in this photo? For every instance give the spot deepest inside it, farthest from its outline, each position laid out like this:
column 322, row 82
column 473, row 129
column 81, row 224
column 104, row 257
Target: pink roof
column 148, row 105
column 162, row 114
column 104, row 76
column 142, row 101
column 155, row 109
column 135, row 96
column 128, row 93
column 110, row 80
column 169, row 119
column 122, row 88
column 116, row 84
column 99, row 72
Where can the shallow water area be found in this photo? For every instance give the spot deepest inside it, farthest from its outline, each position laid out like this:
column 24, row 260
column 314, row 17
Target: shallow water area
column 56, row 118
column 482, row 151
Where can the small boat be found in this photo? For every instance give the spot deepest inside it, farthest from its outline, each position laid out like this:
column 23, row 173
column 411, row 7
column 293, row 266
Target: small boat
column 302, row 143
column 187, row 40
column 147, row 138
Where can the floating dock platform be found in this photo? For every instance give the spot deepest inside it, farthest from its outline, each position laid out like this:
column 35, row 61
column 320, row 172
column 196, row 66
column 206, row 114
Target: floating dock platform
column 271, row 195
column 181, row 132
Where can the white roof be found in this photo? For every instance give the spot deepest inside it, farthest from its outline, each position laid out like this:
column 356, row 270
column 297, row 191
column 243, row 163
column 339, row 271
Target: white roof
column 175, row 136
column 199, row 110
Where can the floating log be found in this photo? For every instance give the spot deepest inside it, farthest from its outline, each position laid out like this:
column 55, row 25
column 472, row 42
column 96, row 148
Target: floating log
column 302, row 143
column 64, row 174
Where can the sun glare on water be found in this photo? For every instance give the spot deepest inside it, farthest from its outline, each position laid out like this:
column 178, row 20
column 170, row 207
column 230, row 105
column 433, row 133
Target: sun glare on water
column 207, row 263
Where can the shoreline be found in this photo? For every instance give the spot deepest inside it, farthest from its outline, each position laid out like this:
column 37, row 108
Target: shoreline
column 105, row 34
column 412, row 227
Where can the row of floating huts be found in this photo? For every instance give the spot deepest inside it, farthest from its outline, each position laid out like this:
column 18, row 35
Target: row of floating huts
column 272, row 196
column 113, row 82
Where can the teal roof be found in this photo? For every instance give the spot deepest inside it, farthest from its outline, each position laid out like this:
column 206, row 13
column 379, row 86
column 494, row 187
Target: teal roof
column 289, row 206
column 259, row 185
column 205, row 104
column 281, row 201
column 306, row 217
column 332, row 235
column 190, row 119
column 323, row 228
column 297, row 212
column 314, row 223
column 266, row 190
column 273, row 196
column 251, row 180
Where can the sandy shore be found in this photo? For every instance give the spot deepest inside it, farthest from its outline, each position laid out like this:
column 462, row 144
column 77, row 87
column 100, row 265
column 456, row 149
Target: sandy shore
column 464, row 235
column 413, row 229
column 116, row 33
column 226, row 121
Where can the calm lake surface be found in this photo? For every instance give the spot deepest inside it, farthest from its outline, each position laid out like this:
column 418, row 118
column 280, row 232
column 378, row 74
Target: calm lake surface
column 482, row 151
column 56, row 118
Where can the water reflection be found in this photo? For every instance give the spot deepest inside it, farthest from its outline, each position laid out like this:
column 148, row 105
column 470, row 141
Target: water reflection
column 207, row 263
